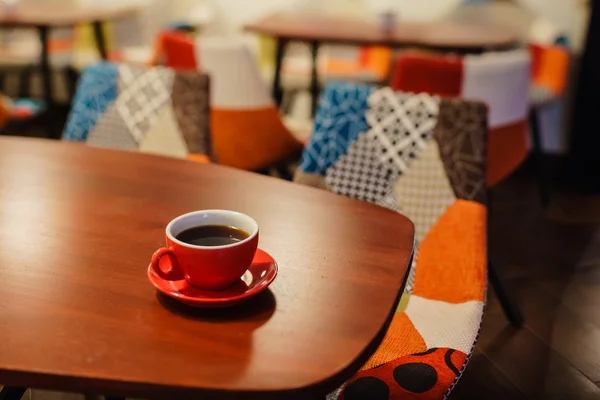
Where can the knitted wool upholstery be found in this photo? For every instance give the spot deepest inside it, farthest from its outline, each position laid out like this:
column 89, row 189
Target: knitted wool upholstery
column 147, row 109
column 424, row 157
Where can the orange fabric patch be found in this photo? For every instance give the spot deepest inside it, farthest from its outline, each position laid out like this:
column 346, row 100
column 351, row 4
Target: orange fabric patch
column 56, row 45
column 507, row 149
column 375, row 60
column 551, row 67
column 419, row 72
column 402, row 338
column 199, row 158
column 424, row 376
column 451, row 265
column 379, row 60
column 251, row 139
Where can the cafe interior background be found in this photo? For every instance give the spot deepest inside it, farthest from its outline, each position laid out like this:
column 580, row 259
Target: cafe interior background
column 559, row 329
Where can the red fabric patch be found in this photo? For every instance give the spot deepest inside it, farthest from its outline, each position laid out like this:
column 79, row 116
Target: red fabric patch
column 423, row 376
column 420, row 72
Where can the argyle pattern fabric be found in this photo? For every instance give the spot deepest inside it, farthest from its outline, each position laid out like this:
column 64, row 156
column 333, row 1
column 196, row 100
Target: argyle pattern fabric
column 425, row 157
column 154, row 110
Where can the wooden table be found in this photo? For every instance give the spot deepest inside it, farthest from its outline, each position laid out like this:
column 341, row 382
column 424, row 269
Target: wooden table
column 319, row 29
column 43, row 15
column 78, row 226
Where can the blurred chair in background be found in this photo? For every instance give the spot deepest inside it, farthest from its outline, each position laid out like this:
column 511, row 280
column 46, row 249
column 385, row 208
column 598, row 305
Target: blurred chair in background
column 148, row 109
column 5, row 112
column 177, row 50
column 424, row 157
column 247, row 131
column 550, row 71
column 500, row 80
column 16, row 115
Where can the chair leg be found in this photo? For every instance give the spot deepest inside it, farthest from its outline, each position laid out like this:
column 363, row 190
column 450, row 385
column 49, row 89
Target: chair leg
column 289, row 99
column 12, row 393
column 284, row 172
column 25, row 82
column 536, row 139
column 506, row 300
column 71, row 76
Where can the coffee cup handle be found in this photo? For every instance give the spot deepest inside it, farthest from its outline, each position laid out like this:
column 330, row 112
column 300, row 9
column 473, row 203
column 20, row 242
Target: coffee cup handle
column 175, row 273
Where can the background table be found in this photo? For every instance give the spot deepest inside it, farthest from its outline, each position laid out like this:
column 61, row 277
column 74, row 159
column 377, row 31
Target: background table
column 45, row 15
column 78, row 226
column 318, row 29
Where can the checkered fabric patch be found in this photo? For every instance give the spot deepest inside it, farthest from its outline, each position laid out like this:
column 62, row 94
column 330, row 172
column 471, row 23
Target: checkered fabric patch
column 401, row 127
column 424, row 191
column 402, row 123
column 360, row 174
column 112, row 131
column 143, row 93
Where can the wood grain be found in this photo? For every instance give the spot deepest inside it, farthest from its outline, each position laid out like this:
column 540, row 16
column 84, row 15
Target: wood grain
column 64, row 13
column 537, row 369
column 552, row 263
column 437, row 35
column 78, row 226
column 485, row 379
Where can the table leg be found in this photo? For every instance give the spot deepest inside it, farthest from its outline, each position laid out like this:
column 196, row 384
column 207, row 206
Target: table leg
column 100, row 39
column 314, row 77
column 44, row 34
column 279, row 53
column 12, row 393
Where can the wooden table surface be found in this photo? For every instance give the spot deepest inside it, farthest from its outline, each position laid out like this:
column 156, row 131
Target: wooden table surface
column 65, row 12
column 440, row 35
column 78, row 226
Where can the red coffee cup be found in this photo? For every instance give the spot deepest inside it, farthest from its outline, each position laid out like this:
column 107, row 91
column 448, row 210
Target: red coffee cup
column 207, row 267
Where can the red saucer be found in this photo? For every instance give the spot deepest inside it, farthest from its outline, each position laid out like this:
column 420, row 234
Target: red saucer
column 256, row 279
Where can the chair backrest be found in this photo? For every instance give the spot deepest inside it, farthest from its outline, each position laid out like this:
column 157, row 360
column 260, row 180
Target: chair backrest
column 148, row 109
column 550, row 67
column 425, row 157
column 178, row 50
column 247, row 131
column 500, row 80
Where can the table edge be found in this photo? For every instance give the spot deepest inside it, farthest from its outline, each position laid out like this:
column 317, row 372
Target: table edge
column 148, row 390
column 253, row 27
column 18, row 24
column 86, row 384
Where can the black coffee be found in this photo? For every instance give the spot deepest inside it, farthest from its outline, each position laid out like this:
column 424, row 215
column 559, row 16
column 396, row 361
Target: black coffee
column 212, row 235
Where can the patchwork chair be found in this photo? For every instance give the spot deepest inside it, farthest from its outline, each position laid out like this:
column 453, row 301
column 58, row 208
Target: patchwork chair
column 425, row 157
column 500, row 80
column 148, row 109
column 247, row 131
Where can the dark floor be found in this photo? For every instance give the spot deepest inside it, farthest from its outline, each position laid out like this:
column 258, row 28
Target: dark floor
column 551, row 260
